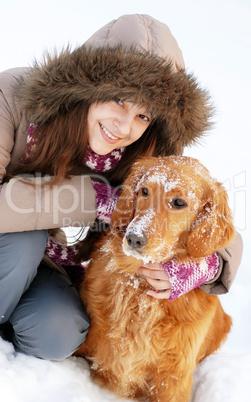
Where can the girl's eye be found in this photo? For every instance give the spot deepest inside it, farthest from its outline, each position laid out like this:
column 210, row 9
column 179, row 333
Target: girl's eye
column 178, row 203
column 119, row 102
column 143, row 117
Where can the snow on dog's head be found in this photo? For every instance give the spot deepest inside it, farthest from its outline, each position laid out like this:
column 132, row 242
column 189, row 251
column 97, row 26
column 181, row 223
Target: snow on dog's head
column 172, row 206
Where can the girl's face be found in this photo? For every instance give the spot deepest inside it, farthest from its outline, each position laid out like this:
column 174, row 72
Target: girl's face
column 115, row 124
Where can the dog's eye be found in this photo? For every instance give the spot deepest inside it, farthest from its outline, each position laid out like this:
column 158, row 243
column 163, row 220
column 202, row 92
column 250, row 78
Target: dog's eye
column 178, row 203
column 144, row 192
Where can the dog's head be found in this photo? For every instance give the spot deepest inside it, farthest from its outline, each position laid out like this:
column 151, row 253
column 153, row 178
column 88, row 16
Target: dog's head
column 171, row 206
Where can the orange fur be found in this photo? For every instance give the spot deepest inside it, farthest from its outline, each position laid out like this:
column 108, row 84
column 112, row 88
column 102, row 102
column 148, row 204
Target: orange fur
column 138, row 346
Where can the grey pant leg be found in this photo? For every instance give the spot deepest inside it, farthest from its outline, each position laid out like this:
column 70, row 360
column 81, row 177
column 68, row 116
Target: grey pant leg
column 20, row 256
column 50, row 321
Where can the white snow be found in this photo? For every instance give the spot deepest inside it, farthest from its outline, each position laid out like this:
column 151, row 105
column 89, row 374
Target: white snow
column 215, row 37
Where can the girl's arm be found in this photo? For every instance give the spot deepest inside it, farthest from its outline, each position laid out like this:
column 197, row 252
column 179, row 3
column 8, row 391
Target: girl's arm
column 29, row 207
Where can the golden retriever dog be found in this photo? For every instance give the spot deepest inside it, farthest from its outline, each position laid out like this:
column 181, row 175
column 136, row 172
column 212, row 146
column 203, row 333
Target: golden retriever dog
column 138, row 346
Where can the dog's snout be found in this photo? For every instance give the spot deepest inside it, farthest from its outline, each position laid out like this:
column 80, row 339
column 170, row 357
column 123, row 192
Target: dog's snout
column 136, row 241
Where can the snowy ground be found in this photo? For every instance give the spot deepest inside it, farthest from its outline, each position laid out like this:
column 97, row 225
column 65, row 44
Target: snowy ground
column 222, row 377
column 215, row 37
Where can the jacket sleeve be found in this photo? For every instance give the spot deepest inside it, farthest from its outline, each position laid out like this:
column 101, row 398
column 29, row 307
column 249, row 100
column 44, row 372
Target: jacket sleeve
column 27, row 204
column 230, row 259
column 7, row 124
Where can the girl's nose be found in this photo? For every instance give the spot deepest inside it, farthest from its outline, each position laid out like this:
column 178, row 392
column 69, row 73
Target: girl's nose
column 124, row 122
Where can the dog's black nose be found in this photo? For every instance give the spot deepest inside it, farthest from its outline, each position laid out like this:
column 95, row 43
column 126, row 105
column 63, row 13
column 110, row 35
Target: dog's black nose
column 136, row 241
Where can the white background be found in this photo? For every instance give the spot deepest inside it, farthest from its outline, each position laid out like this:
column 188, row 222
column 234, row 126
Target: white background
column 215, row 37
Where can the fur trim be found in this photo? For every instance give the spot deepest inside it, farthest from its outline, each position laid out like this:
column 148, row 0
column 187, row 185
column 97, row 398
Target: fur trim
column 98, row 75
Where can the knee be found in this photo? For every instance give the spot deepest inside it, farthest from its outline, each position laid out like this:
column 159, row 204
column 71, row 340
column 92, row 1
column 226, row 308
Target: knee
column 54, row 337
column 20, row 256
column 24, row 243
column 50, row 321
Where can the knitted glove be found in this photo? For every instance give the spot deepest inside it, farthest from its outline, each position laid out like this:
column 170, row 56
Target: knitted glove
column 106, row 199
column 61, row 253
column 190, row 275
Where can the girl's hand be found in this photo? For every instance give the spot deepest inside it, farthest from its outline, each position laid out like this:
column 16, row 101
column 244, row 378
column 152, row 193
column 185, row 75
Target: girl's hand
column 173, row 279
column 158, row 279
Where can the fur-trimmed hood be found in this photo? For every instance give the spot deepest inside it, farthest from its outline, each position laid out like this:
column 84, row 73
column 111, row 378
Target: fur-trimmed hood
column 134, row 58
column 88, row 75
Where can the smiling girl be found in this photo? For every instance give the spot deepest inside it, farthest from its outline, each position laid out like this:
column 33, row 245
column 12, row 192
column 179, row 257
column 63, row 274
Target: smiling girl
column 78, row 115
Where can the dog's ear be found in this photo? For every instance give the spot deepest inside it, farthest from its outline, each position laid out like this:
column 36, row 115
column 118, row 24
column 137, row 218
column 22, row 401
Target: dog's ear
column 213, row 228
column 124, row 210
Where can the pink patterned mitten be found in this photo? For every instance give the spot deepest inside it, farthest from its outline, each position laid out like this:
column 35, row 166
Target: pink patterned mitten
column 190, row 275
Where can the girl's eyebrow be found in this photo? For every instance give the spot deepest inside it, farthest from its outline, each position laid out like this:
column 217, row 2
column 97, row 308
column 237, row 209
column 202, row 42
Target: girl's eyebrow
column 141, row 106
column 146, row 111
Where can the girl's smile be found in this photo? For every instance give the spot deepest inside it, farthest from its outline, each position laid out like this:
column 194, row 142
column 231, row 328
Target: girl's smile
column 115, row 124
column 106, row 133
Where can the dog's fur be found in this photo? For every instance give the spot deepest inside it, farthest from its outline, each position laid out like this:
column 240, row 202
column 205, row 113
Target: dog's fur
column 139, row 346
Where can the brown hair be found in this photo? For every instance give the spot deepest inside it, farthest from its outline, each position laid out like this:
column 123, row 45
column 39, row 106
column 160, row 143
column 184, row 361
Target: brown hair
column 61, row 144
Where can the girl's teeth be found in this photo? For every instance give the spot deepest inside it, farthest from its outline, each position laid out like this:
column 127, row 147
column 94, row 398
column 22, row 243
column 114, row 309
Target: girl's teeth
column 108, row 133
